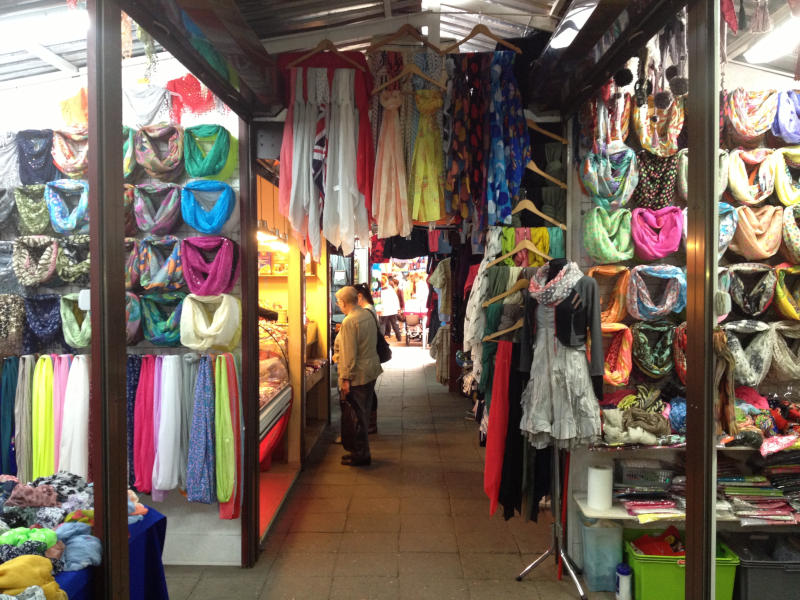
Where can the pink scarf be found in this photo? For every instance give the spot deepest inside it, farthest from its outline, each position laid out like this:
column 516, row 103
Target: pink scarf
column 210, row 278
column 61, row 364
column 656, row 233
column 143, row 442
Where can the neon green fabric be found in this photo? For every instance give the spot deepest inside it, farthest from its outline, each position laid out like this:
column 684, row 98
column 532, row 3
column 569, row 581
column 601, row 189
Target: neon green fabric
column 225, row 445
column 42, row 429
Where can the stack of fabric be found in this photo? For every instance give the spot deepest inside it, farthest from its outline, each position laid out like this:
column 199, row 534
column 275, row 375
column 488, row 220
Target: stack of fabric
column 783, row 472
column 755, row 500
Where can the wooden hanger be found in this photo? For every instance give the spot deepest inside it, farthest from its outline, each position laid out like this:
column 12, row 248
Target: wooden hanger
column 493, row 337
column 405, row 31
column 325, row 46
column 523, row 245
column 536, row 127
column 535, row 168
column 531, row 207
column 521, row 284
column 410, row 69
column 483, row 29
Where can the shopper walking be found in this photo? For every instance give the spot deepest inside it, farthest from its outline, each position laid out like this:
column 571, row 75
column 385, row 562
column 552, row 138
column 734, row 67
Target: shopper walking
column 390, row 307
column 359, row 366
column 366, row 302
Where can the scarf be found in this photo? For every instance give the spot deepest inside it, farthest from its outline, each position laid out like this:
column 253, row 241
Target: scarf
column 607, row 236
column 133, row 318
column 658, row 175
column 167, row 427
column 166, row 167
column 76, row 323
column 71, row 151
column 615, row 313
column 790, row 247
column 160, row 265
column 683, row 172
column 6, row 204
column 42, row 435
column 133, row 371
column 652, row 348
column 12, row 319
column 32, row 215
column 728, row 222
column 758, row 299
column 617, row 362
column 145, row 101
column 42, row 322
column 73, row 261
column 758, row 234
column 756, row 187
column 225, row 451
column 610, row 178
column 8, row 279
column 68, row 220
column 211, row 322
column 131, row 229
column 787, row 117
column 162, row 317
column 679, row 351
column 207, row 205
column 131, row 263
column 787, row 297
column 34, row 259
column 641, row 307
column 551, row 293
column 35, row 159
column 656, row 233
column 785, row 366
column 722, row 297
column 22, row 417
column 158, row 220
column 128, row 152
column 750, row 114
column 201, row 163
column 143, row 434
column 787, row 190
column 191, row 361
column 200, row 468
column 9, row 159
column 8, row 390
column 232, row 508
column 658, row 129
column 752, row 362
column 210, row 277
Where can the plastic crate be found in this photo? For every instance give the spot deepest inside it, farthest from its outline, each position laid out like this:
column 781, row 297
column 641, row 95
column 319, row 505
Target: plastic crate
column 759, row 570
column 664, row 577
column 648, row 477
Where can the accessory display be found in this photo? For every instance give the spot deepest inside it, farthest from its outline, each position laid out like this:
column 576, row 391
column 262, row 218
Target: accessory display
column 656, row 233
column 653, row 347
column 754, row 188
column 131, row 263
column 128, row 152
column 12, row 318
column 214, row 276
column 72, row 264
column 71, row 151
column 33, row 217
column 618, row 362
column 787, row 290
column 9, row 159
column 552, row 292
column 791, row 234
column 145, row 101
column 785, row 366
column 131, row 228
column 156, row 207
column 640, row 305
column 683, row 172
column 207, row 205
column 758, row 299
column 42, row 322
column 34, row 147
column 202, row 163
column 750, row 114
column 679, row 351
column 607, row 236
column 787, row 117
column 758, row 234
column 76, row 323
column 160, row 264
column 787, row 190
column 6, row 204
column 754, row 359
column 611, row 177
column 159, row 149
column 658, row 128
column 211, row 322
column 133, row 318
column 68, row 219
column 658, row 175
column 162, row 317
column 8, row 279
column 617, row 312
column 34, row 259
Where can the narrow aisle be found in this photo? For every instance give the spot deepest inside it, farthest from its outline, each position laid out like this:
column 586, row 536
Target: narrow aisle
column 414, row 525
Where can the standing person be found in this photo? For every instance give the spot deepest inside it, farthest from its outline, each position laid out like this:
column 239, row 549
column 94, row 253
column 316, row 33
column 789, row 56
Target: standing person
column 366, row 302
column 390, row 306
column 359, row 366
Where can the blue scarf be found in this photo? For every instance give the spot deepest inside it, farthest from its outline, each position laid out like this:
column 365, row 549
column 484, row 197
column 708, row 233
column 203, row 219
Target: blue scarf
column 201, row 474
column 134, row 368
column 8, row 390
column 64, row 219
column 196, row 216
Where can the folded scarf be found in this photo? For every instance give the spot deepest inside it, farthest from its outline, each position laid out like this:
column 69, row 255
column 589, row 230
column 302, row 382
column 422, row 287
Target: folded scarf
column 210, row 277
column 683, row 172
column 160, row 265
column 73, row 260
column 19, row 574
column 640, row 306
column 206, row 205
column 617, row 363
column 652, row 347
column 790, row 248
column 787, row 190
column 156, row 207
column 552, row 292
column 42, row 321
column 785, row 366
column 750, row 114
column 71, row 151
column 679, row 351
column 68, row 219
column 787, row 117
column 34, row 259
column 752, row 361
column 658, row 128
column 163, row 165
column 656, row 233
column 211, row 322
column 35, row 158
column 654, row 423
column 617, row 312
column 756, row 187
column 202, row 163
column 131, row 263
column 128, row 152
column 787, row 290
column 12, row 322
column 758, row 299
column 722, row 297
column 656, row 187
column 611, row 177
column 76, row 323
column 759, row 232
column 162, row 317
column 133, row 318
column 607, row 236
column 33, row 217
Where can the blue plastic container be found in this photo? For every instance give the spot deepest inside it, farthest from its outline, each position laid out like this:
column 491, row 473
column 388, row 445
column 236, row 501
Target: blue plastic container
column 602, row 552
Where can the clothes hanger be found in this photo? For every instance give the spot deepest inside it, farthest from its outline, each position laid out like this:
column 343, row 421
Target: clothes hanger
column 405, row 31
column 536, row 127
column 521, row 284
column 535, row 168
column 531, row 207
column 325, row 46
column 411, row 69
column 483, row 29
column 523, row 245
column 493, row 337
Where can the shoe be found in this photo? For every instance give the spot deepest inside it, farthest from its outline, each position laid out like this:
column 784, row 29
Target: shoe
column 356, row 461
column 338, row 439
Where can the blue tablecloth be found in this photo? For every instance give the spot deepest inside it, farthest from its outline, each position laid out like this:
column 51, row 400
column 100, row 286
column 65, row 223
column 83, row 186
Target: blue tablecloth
column 147, row 580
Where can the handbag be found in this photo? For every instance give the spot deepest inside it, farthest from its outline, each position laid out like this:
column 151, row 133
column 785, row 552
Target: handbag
column 382, row 346
column 351, row 425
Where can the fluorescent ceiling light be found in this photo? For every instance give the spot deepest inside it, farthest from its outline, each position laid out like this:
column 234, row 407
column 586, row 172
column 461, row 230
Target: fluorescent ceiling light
column 779, row 42
column 571, row 25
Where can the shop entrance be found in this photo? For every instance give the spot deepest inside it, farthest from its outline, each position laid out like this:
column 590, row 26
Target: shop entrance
column 402, row 295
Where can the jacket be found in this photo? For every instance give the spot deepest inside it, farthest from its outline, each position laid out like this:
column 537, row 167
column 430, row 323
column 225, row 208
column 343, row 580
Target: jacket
column 355, row 348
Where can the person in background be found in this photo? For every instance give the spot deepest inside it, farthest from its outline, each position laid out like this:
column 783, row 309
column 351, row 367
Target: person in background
column 400, row 297
column 366, row 302
column 390, row 306
column 356, row 355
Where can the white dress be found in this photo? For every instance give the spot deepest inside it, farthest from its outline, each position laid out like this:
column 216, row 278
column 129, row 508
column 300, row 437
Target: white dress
column 558, row 405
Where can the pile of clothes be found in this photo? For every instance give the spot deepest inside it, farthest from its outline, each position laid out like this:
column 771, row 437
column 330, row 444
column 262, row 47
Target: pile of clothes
column 769, row 423
column 645, row 415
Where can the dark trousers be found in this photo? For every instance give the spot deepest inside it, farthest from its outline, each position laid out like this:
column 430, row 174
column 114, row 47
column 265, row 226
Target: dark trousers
column 359, row 400
column 391, row 321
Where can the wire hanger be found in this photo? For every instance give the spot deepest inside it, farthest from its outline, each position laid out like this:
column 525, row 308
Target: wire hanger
column 535, row 168
column 523, row 245
column 405, row 31
column 493, row 337
column 325, row 46
column 531, row 207
column 410, row 69
column 536, row 127
column 482, row 29
column 521, row 284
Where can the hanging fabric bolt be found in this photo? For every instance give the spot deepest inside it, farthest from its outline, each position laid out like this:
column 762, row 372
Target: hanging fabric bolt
column 607, row 236
column 71, row 151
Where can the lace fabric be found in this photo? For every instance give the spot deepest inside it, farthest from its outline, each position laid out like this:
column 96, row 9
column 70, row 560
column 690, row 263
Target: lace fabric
column 12, row 315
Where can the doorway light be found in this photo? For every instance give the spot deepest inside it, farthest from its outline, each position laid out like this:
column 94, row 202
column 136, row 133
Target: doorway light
column 779, row 42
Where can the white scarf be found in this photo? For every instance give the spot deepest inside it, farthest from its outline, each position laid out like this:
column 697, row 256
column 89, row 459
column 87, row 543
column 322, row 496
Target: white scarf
column 752, row 362
column 9, row 160
column 785, row 354
column 221, row 330
column 145, row 102
column 552, row 292
column 739, row 182
column 166, row 465
column 74, row 448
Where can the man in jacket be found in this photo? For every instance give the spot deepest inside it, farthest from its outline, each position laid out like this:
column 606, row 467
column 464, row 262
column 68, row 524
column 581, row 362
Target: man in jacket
column 359, row 366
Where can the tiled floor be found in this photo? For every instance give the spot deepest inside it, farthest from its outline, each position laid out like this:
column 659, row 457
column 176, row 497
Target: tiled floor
column 414, row 525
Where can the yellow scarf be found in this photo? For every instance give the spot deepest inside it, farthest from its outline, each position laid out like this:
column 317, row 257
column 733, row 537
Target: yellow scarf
column 42, row 433
column 787, row 190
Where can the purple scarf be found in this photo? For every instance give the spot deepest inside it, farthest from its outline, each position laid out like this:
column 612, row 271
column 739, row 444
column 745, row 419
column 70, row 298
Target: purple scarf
column 787, row 118
column 656, row 233
column 214, row 276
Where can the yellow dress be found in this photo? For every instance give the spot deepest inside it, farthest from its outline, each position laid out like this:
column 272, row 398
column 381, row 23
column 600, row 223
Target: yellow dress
column 426, row 185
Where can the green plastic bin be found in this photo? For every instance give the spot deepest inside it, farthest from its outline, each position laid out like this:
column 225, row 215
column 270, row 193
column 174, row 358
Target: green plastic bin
column 663, row 577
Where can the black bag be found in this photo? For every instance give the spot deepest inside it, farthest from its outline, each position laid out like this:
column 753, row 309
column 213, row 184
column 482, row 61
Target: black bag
column 382, row 346
column 350, row 423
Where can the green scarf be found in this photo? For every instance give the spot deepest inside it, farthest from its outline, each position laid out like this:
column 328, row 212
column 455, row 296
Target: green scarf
column 653, row 359
column 76, row 334
column 607, row 236
column 200, row 163
column 34, row 218
column 225, row 444
column 72, row 262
